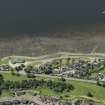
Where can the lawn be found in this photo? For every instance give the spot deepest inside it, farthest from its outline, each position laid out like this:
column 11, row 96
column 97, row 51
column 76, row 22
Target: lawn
column 8, row 76
column 4, row 61
column 6, row 93
column 81, row 89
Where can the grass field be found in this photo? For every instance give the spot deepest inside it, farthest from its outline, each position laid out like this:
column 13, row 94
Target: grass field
column 5, row 61
column 8, row 76
column 81, row 88
column 6, row 93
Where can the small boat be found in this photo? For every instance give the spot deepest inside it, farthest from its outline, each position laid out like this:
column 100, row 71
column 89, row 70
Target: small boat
column 103, row 12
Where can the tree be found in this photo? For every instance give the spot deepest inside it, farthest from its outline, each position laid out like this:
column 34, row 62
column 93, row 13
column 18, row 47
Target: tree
column 103, row 85
column 49, row 84
column 60, row 64
column 89, row 94
column 98, row 83
column 29, row 69
column 17, row 69
column 48, row 69
column 12, row 71
column 1, row 78
column 68, row 61
column 62, row 79
column 0, row 92
column 30, row 75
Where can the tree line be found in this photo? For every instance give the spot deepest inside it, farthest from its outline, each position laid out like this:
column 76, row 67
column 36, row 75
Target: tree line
column 57, row 86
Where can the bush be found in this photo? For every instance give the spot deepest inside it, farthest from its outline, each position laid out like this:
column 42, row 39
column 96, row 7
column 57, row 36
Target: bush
column 49, row 71
column 98, row 83
column 89, row 94
column 17, row 74
column 13, row 73
column 30, row 75
column 57, row 86
column 62, row 79
column 103, row 85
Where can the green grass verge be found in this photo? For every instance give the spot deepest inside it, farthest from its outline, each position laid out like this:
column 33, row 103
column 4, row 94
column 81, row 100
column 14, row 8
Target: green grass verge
column 8, row 76
column 6, row 93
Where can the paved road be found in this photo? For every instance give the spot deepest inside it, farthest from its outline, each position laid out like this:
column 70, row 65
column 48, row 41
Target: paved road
column 57, row 77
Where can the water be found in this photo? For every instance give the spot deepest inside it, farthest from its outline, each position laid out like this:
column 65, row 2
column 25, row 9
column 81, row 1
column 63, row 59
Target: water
column 29, row 16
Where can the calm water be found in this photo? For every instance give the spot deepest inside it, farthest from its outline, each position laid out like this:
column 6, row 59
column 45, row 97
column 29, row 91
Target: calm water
column 28, row 16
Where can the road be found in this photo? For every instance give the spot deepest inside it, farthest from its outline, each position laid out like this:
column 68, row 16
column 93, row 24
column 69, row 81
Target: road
column 50, row 76
column 57, row 77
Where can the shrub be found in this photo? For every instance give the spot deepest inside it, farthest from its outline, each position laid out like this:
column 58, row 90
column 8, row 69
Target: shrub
column 89, row 94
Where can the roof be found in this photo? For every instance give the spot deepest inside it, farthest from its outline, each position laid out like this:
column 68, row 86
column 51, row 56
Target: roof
column 17, row 60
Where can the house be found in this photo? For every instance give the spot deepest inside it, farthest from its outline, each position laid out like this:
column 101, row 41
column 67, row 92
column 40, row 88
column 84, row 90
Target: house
column 53, row 99
column 52, row 103
column 7, row 103
column 1, row 103
column 67, row 103
column 101, row 77
column 4, row 67
column 68, row 73
column 56, row 71
column 34, row 103
column 15, row 102
column 24, row 101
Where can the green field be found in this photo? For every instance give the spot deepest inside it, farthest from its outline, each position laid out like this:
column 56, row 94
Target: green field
column 81, row 88
column 8, row 76
column 4, row 61
column 6, row 93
